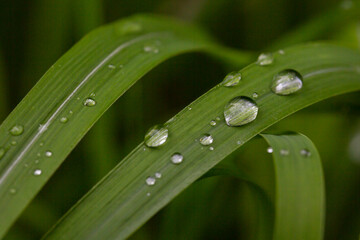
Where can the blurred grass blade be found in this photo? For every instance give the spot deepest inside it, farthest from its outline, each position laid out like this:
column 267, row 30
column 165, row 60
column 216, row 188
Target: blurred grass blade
column 74, row 93
column 300, row 195
column 119, row 204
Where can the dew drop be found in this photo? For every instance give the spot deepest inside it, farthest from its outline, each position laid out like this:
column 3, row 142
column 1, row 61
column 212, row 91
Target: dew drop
column 92, row 94
column 282, row 52
column 177, row 158
column 17, row 130
column 158, row 175
column 207, row 139
column 37, row 172
column 232, row 79
column 240, row 111
column 111, row 66
column 238, row 142
column 41, row 144
column 37, row 161
column 150, row 181
column 255, row 95
column 89, row 102
column 284, row 152
column 265, row 59
column 211, row 148
column 189, row 108
column 217, row 118
column 151, row 49
column 129, row 27
column 156, row 136
column 148, row 194
column 305, row 152
column 286, row 82
column 12, row 191
column 48, row 154
column 270, row 150
column 64, row 120
column 13, row 143
column 212, row 123
column 2, row 152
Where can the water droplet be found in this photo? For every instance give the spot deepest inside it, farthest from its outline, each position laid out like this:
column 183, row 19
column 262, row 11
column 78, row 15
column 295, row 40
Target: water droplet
column 177, row 158
column 255, row 95
column 286, row 82
column 37, row 172
column 151, row 49
column 284, row 152
column 265, row 59
column 48, row 153
column 17, row 130
column 158, row 175
column 92, row 94
column 282, row 52
column 37, row 161
column 12, row 190
column 211, row 148
column 38, row 154
column 148, row 194
column 156, row 136
column 41, row 144
column 217, row 118
column 64, row 119
column 2, row 152
column 270, row 150
column 207, row 139
column 305, row 152
column 13, row 143
column 129, row 27
column 150, row 181
column 26, row 165
column 232, row 79
column 212, row 123
column 89, row 102
column 189, row 108
column 71, row 112
column 240, row 111
column 111, row 66
column 239, row 142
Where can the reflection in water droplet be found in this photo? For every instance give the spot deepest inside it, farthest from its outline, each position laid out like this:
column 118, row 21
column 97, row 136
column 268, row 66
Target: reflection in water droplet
column 37, row 172
column 207, row 139
column 16, row 130
column 156, row 136
column 265, row 59
column 158, row 175
column 240, row 111
column 284, row 152
column 270, row 150
column 12, row 190
column 48, row 153
column 232, row 79
column 150, row 181
column 212, row 123
column 64, row 119
column 89, row 102
column 177, row 158
column 2, row 152
column 305, row 152
column 286, row 82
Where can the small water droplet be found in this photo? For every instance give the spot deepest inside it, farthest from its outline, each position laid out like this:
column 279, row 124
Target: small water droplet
column 26, row 165
column 12, row 191
column 207, row 139
column 156, row 136
column 177, row 158
column 38, row 154
column 240, row 111
column 48, row 154
column 64, row 119
column 148, row 194
column 111, row 66
column 89, row 102
column 129, row 27
column 71, row 112
column 150, row 181
column 270, row 150
column 255, row 95
column 284, row 152
column 144, row 149
column 2, row 152
column 92, row 94
column 17, row 130
column 37, row 161
column 158, row 175
column 37, row 172
column 232, row 79
column 151, row 49
column 41, row 144
column 305, row 152
column 211, row 148
column 282, row 52
column 212, row 123
column 13, row 143
column 286, row 82
column 189, row 108
column 217, row 118
column 265, row 59
column 239, row 142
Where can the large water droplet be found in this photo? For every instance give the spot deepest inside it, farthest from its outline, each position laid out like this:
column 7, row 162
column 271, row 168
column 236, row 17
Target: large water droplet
column 265, row 59
column 17, row 130
column 37, row 172
column 89, row 102
column 156, row 136
column 2, row 152
column 232, row 79
column 240, row 111
column 150, row 181
column 207, row 139
column 177, row 158
column 286, row 82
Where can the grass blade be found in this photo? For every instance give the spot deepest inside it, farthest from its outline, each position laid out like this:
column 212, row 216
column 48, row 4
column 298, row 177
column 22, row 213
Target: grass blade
column 105, row 63
column 118, row 204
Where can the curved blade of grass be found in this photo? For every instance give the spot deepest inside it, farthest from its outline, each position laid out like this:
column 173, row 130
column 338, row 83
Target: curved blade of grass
column 102, row 66
column 118, row 204
column 300, row 195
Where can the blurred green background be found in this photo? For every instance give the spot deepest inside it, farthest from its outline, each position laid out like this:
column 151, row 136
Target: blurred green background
column 35, row 33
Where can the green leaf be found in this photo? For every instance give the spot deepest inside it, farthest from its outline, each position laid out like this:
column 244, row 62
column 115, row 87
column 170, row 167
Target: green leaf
column 101, row 66
column 119, row 204
column 300, row 195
